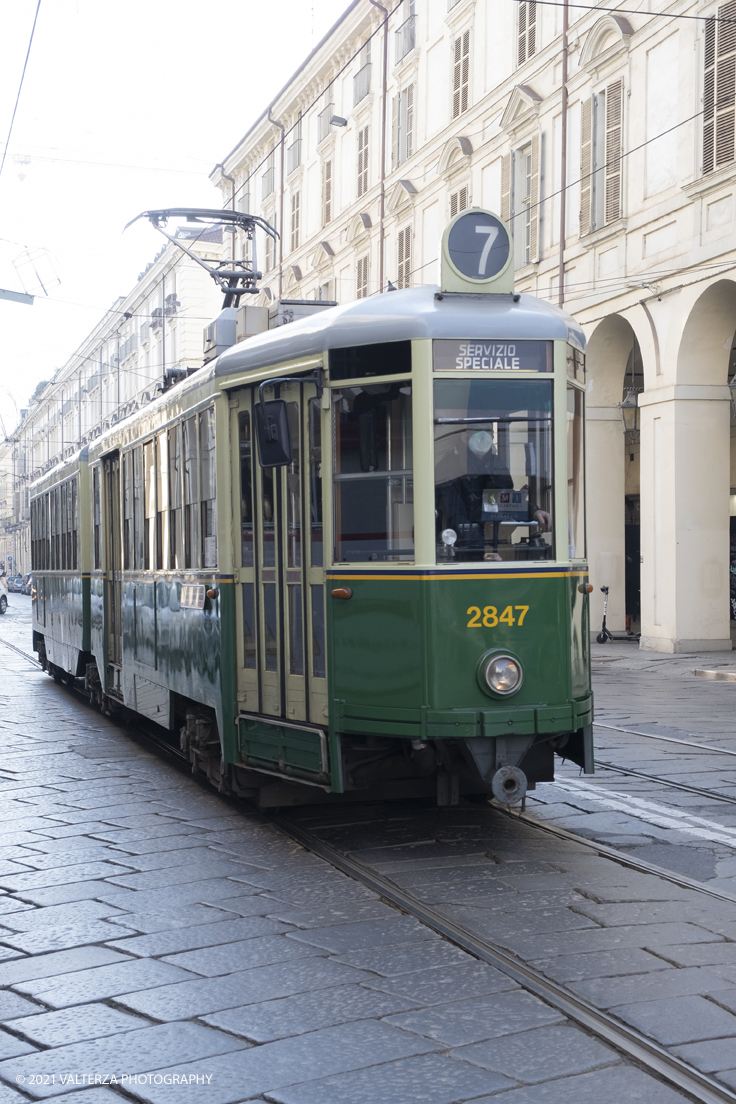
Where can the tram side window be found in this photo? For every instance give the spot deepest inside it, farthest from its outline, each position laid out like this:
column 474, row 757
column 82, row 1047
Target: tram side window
column 55, row 527
column 175, row 529
column 493, row 470
column 191, row 495
column 246, row 490
column 208, row 483
column 374, row 482
column 96, row 517
column 46, row 532
column 128, row 523
column 315, row 483
column 575, row 473
column 64, row 520
column 138, row 513
column 149, row 505
column 74, row 524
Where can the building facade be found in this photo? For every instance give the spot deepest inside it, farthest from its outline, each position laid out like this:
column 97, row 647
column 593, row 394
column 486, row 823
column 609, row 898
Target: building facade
column 146, row 339
column 609, row 144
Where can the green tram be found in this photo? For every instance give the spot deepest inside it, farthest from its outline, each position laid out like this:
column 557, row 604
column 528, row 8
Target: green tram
column 346, row 559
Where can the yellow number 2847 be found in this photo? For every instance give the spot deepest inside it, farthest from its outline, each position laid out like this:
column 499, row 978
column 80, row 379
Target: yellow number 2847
column 489, row 617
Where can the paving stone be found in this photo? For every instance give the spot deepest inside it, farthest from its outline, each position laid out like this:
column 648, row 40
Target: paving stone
column 428, row 1079
column 520, row 923
column 443, row 984
column 167, row 859
column 159, row 844
column 541, row 1054
column 133, row 1051
column 185, row 917
column 679, row 1019
column 255, row 904
column 296, row 1015
column 727, row 1076
column 654, row 936
column 606, row 1086
column 10, row 1046
column 53, row 938
column 153, row 900
column 102, row 981
column 10, row 1096
column 240, row 955
column 64, row 894
column 71, row 857
column 13, row 1005
column 62, row 962
column 318, row 917
column 71, row 1025
column 402, row 958
column 607, row 992
column 710, row 1056
column 206, row 995
column 576, row 967
column 42, row 879
column 206, row 867
column 99, row 1095
column 200, row 935
column 486, row 1017
column 363, row 934
column 146, row 836
column 31, row 920
column 269, row 1067
column 728, row 997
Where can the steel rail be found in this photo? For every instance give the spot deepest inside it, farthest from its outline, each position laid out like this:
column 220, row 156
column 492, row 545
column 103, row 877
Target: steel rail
column 711, row 794
column 667, row 739
column 628, row 1040
column 26, row 655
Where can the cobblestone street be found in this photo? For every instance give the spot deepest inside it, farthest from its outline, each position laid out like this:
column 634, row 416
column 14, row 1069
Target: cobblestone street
column 163, row 938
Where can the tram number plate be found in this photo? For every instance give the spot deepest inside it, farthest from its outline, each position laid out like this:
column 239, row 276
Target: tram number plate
column 488, row 617
column 192, row 596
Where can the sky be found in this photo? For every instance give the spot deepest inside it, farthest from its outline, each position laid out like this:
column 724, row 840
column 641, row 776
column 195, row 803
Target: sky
column 126, row 105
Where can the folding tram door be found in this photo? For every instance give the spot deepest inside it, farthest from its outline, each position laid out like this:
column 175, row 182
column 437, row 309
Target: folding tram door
column 280, row 591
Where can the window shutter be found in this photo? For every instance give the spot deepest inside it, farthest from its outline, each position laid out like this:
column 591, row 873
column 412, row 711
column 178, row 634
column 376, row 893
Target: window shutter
column 395, row 106
column 709, row 90
column 409, row 120
column 725, row 85
column 506, row 187
column 404, row 258
column 527, row 42
column 327, row 193
column 458, row 201
column 586, row 164
column 294, row 221
column 362, row 277
column 362, row 161
column 534, row 202
column 460, row 74
column 614, row 143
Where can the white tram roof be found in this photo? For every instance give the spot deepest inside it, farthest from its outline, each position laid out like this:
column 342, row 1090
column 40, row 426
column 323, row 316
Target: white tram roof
column 414, row 314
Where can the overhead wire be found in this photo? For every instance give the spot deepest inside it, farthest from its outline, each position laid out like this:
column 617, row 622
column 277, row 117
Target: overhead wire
column 631, row 11
column 20, row 87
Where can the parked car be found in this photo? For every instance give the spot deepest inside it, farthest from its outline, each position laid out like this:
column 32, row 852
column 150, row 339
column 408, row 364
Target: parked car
column 15, row 584
column 27, row 587
column 3, row 594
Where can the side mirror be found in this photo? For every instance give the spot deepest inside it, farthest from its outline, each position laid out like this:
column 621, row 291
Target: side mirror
column 272, row 431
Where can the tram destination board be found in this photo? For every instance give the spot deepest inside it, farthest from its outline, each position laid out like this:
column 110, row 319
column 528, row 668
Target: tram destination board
column 492, row 356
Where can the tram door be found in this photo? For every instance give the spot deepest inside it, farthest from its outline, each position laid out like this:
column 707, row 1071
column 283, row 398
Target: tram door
column 113, row 561
column 280, row 582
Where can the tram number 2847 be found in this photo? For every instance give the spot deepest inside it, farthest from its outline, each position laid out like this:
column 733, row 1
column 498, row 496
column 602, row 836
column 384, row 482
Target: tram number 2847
column 489, row 617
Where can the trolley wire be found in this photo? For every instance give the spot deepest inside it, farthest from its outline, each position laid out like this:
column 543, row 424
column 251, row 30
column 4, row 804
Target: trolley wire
column 20, row 87
column 632, row 11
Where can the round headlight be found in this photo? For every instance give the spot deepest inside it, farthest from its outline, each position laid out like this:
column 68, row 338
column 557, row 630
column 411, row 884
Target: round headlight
column 503, row 674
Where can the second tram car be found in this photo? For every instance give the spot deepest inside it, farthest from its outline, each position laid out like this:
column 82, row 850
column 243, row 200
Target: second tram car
column 346, row 559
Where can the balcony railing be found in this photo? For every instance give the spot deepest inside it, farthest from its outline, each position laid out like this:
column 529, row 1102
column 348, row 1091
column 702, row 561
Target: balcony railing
column 405, row 38
column 362, row 83
column 294, row 156
column 323, row 122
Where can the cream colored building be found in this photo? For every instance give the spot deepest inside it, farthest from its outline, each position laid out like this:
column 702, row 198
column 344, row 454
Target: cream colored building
column 146, row 338
column 360, row 167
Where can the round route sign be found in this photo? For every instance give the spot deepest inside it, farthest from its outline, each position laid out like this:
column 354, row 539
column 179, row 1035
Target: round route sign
column 478, row 245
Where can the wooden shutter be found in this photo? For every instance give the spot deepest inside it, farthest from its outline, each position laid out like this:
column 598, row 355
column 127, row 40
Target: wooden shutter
column 527, row 42
column 294, row 221
column 506, row 187
column 409, row 120
column 614, row 149
column 327, row 192
column 404, row 258
column 709, row 95
column 458, row 201
column 725, row 72
column 460, row 74
column 395, row 108
column 362, row 161
column 586, row 164
column 362, row 277
column 534, row 207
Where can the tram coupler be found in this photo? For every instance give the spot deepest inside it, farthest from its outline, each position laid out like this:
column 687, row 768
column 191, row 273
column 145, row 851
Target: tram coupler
column 508, row 786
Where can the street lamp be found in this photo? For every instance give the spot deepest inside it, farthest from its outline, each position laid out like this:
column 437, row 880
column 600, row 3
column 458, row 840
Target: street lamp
column 629, row 408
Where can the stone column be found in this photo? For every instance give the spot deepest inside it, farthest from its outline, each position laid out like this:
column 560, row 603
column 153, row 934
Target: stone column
column 685, row 476
column 605, row 513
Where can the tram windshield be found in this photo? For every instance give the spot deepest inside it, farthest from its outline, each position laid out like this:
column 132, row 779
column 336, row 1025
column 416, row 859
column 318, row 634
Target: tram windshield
column 493, row 470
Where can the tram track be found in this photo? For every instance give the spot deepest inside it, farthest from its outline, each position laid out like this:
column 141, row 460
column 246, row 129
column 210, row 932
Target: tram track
column 645, row 1052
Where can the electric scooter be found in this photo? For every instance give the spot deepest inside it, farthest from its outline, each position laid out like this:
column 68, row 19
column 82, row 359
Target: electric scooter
column 605, row 634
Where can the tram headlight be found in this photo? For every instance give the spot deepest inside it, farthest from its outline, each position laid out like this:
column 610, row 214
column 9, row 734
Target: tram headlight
column 501, row 674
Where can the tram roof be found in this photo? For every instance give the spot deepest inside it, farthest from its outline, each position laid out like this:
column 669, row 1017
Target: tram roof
column 413, row 314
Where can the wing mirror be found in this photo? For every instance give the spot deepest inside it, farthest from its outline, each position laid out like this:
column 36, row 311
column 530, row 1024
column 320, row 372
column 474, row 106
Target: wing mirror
column 273, row 433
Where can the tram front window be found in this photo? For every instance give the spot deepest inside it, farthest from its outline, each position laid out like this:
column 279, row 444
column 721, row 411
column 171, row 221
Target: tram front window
column 493, row 470
column 374, row 480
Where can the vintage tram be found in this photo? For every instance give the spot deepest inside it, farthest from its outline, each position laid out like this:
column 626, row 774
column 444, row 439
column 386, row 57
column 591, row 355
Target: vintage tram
column 346, row 559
